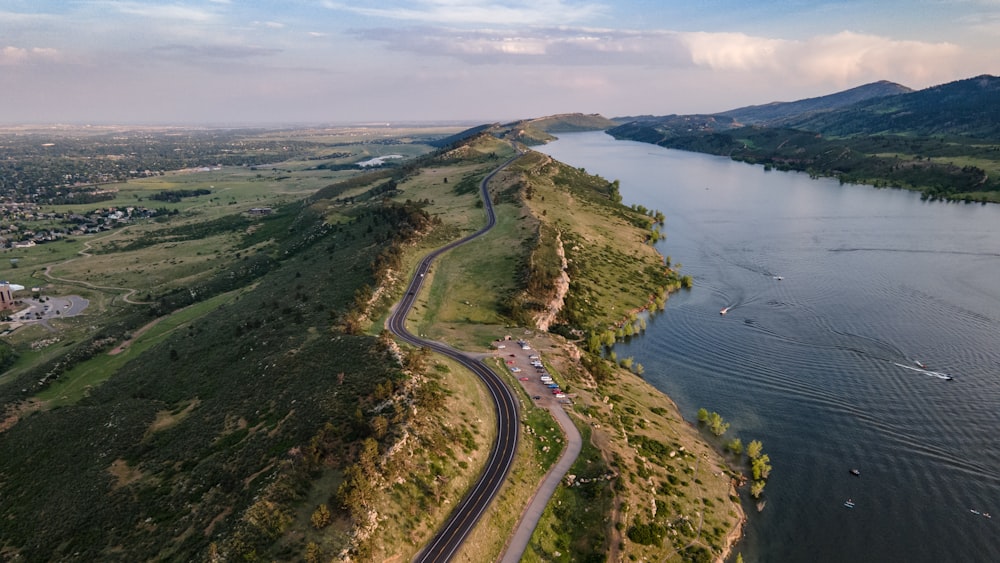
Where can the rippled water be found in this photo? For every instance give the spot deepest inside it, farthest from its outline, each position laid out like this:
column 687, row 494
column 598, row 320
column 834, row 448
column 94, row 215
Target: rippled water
column 820, row 365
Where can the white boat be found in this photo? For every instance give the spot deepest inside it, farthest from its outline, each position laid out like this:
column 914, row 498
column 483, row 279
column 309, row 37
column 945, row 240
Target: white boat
column 724, row 311
column 849, row 503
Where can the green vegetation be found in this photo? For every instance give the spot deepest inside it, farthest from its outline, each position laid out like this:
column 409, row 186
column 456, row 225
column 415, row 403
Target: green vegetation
column 230, row 393
column 760, row 462
column 228, row 427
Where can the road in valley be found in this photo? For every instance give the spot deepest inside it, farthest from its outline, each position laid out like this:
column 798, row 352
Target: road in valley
column 463, row 519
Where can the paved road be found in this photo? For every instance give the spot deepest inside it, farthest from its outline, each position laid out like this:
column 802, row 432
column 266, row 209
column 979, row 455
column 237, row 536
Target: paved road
column 536, row 507
column 467, row 513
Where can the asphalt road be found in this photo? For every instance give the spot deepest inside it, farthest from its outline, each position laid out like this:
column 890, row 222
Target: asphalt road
column 463, row 519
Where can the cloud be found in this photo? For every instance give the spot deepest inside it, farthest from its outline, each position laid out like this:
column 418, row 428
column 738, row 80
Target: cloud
column 543, row 45
column 267, row 24
column 841, row 58
column 14, row 56
column 453, row 12
column 188, row 53
column 161, row 12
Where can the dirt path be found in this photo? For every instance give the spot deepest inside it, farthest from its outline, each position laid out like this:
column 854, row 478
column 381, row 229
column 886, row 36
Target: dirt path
column 129, row 292
column 121, row 347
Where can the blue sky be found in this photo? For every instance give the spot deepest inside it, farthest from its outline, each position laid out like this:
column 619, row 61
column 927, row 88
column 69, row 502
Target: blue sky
column 345, row 61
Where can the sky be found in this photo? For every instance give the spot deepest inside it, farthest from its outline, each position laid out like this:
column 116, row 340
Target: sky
column 246, row 62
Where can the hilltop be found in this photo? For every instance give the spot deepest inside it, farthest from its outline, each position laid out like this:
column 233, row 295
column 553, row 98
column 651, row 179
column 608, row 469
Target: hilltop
column 776, row 112
column 534, row 131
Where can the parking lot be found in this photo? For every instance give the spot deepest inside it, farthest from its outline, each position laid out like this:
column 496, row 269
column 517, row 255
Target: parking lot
column 526, row 364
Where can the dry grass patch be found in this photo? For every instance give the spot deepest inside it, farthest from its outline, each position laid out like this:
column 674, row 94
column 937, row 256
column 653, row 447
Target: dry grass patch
column 165, row 419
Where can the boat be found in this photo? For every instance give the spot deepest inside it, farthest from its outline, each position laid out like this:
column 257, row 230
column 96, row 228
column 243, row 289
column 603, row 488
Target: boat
column 724, row 311
column 949, row 378
column 856, row 472
column 920, row 364
column 849, row 503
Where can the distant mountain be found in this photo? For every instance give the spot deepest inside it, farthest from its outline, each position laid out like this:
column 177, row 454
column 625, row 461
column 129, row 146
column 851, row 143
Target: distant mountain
column 941, row 140
column 966, row 108
column 778, row 111
column 774, row 113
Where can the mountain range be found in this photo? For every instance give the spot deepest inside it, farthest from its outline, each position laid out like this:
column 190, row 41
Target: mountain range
column 943, row 140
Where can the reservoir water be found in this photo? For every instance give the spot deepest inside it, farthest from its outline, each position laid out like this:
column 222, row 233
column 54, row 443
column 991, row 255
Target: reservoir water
column 836, row 295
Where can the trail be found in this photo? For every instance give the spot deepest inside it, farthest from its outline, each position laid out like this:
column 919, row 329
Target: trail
column 84, row 253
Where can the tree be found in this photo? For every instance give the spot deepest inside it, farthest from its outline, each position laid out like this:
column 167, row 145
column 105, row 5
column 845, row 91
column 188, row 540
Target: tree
column 761, row 467
column 735, row 445
column 754, row 449
column 313, row 553
column 321, row 517
column 716, row 424
column 379, row 426
column 702, row 415
column 757, row 489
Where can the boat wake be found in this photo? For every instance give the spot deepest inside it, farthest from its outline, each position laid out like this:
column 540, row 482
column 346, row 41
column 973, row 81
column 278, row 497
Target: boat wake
column 931, row 373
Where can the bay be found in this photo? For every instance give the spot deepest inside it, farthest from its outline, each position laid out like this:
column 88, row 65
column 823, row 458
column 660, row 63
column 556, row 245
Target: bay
column 836, row 295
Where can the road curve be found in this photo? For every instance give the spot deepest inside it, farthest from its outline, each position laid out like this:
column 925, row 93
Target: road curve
column 467, row 513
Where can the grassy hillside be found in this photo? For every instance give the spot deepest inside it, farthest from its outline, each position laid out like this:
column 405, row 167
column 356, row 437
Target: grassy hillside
column 249, row 406
column 775, row 112
column 222, row 430
column 968, row 108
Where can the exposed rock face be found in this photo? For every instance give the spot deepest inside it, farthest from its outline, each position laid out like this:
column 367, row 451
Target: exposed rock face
column 546, row 318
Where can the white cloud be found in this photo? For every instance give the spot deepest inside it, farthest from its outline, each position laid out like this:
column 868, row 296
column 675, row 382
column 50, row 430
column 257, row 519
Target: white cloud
column 453, row 12
column 12, row 56
column 162, row 12
column 841, row 58
column 541, row 45
column 838, row 59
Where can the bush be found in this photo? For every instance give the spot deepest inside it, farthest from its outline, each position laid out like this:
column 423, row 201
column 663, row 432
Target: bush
column 646, row 534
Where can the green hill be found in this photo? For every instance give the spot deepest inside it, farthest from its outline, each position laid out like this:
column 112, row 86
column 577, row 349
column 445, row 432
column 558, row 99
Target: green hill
column 777, row 112
column 965, row 108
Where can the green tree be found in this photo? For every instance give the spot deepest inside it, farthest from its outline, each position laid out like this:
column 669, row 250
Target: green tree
column 754, row 449
column 703, row 415
column 761, row 467
column 757, row 489
column 735, row 445
column 321, row 517
column 313, row 553
column 716, row 425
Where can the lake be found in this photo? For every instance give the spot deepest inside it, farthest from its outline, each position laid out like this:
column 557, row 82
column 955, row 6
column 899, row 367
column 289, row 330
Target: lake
column 836, row 294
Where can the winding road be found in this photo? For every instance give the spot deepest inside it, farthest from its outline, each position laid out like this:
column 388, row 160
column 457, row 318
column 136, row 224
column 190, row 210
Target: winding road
column 463, row 519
